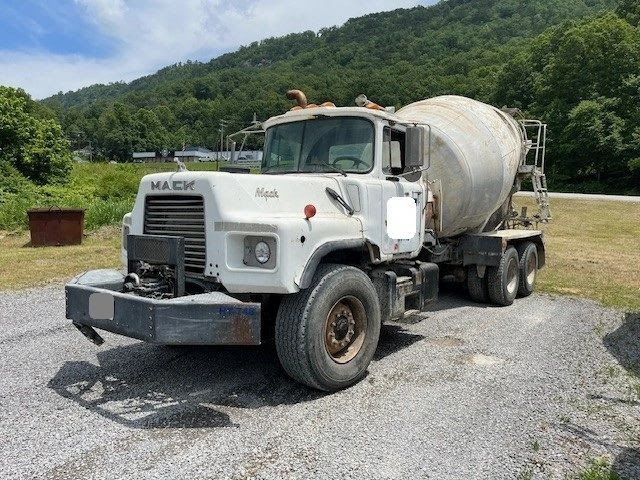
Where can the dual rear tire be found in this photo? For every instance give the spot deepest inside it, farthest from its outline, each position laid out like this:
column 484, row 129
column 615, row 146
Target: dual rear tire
column 503, row 280
column 515, row 275
column 528, row 266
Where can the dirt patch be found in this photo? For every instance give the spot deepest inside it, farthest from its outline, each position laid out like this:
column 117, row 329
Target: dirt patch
column 481, row 359
column 446, row 342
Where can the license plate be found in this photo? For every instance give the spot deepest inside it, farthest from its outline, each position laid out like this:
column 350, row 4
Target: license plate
column 101, row 306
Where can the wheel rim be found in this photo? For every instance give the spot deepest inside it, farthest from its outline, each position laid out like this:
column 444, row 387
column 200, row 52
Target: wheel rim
column 512, row 276
column 345, row 329
column 531, row 269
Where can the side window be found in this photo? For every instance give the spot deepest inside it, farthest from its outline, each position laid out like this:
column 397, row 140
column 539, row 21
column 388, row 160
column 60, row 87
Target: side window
column 386, row 150
column 392, row 151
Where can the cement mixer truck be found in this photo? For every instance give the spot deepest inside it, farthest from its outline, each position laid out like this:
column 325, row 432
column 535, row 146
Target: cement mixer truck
column 356, row 216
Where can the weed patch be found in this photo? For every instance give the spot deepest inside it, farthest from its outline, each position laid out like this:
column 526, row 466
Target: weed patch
column 599, row 469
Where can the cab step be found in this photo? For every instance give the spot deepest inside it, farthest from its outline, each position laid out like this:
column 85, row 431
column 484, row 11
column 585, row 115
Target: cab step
column 406, row 290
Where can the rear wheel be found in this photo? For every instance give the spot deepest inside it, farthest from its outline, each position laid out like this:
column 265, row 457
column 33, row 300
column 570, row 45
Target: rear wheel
column 476, row 285
column 327, row 334
column 503, row 280
column 528, row 266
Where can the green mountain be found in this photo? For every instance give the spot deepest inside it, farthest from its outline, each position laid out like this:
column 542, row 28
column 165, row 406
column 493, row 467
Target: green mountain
column 455, row 45
column 466, row 47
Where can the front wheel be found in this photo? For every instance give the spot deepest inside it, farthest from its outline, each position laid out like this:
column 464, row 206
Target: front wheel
column 327, row 334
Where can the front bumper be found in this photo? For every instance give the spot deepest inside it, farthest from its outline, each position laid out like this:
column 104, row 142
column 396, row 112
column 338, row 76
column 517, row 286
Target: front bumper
column 94, row 299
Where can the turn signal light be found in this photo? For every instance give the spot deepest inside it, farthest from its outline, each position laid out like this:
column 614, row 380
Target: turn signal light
column 309, row 211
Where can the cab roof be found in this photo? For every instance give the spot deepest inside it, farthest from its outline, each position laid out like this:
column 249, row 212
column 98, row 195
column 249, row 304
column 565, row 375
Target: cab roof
column 308, row 113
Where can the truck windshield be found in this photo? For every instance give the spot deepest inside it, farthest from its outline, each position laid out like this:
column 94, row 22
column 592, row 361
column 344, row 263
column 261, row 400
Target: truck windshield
column 342, row 144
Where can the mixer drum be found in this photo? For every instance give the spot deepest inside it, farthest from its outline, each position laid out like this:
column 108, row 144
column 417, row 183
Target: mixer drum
column 475, row 153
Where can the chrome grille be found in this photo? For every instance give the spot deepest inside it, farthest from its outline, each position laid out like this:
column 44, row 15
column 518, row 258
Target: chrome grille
column 179, row 216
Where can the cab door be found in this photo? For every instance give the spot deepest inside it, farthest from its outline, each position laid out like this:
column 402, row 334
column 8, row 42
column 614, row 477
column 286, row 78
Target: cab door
column 403, row 200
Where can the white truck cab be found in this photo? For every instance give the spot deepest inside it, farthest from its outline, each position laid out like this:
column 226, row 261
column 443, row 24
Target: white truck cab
column 308, row 155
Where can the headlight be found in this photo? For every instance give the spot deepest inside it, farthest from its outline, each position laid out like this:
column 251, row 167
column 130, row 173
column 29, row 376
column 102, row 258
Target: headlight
column 262, row 252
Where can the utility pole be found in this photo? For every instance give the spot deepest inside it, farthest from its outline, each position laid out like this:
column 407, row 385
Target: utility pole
column 223, row 124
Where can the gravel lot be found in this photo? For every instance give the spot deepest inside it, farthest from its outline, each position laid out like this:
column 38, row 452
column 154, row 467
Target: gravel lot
column 535, row 390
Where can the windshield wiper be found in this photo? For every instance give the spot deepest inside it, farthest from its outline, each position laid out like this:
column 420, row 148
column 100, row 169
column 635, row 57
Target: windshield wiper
column 338, row 198
column 330, row 167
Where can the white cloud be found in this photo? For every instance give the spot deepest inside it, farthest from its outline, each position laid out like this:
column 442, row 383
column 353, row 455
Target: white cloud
column 149, row 34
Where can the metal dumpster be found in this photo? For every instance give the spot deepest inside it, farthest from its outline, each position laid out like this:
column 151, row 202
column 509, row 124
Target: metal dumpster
column 56, row 226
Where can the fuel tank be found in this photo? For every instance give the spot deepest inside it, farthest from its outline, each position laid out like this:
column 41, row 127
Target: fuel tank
column 475, row 153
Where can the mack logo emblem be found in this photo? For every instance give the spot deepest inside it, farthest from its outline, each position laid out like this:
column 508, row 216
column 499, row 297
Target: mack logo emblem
column 175, row 185
column 266, row 194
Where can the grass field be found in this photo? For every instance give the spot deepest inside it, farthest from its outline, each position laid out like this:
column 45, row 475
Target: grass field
column 593, row 251
column 22, row 266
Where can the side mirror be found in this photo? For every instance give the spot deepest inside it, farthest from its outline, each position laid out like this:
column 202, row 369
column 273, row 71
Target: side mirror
column 414, row 151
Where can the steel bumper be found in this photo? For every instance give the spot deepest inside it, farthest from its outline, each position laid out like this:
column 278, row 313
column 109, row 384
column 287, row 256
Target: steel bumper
column 94, row 299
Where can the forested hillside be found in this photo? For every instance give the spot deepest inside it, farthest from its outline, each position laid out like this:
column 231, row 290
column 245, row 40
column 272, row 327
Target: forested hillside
column 574, row 64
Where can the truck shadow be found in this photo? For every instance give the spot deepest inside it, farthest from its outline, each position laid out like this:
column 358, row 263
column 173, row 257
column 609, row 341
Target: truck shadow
column 627, row 463
column 624, row 343
column 453, row 295
column 147, row 386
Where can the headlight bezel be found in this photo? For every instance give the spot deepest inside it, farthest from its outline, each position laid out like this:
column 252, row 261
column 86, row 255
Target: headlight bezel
column 251, row 259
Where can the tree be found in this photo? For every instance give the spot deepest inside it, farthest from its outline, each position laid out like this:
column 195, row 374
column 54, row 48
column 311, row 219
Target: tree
column 582, row 78
column 117, row 132
column 35, row 146
column 594, row 138
column 123, row 130
column 629, row 9
column 151, row 133
column 590, row 59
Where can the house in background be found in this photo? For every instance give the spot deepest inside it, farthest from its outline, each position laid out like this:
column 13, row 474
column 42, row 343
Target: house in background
column 144, row 157
column 195, row 154
column 83, row 155
column 189, row 154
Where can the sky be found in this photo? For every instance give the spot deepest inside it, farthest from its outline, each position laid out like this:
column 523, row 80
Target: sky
column 47, row 46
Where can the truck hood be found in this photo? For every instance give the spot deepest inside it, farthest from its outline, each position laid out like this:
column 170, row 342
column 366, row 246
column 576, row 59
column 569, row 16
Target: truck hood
column 239, row 206
column 253, row 195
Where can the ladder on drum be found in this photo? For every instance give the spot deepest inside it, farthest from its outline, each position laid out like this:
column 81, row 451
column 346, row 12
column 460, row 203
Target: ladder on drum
column 532, row 167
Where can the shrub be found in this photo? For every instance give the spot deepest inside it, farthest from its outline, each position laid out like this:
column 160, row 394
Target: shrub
column 17, row 194
column 12, row 181
column 105, row 191
column 120, row 183
column 106, row 212
column 13, row 211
